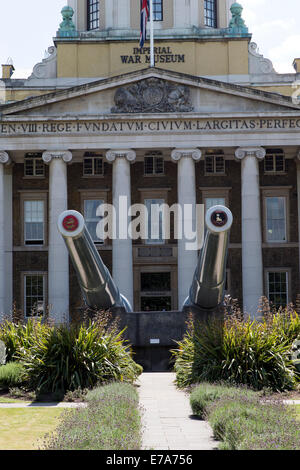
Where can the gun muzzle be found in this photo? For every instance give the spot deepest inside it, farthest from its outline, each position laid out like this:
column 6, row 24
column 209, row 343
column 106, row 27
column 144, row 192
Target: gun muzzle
column 97, row 286
column 208, row 285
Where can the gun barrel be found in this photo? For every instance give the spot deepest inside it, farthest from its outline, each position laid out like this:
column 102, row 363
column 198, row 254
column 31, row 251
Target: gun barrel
column 97, row 285
column 208, row 285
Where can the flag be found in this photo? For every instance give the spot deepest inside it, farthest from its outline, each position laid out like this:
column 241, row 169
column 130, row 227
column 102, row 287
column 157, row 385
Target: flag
column 145, row 12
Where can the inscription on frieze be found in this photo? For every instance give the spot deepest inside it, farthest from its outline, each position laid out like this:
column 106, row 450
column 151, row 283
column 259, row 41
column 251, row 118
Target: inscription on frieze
column 152, row 95
column 147, row 125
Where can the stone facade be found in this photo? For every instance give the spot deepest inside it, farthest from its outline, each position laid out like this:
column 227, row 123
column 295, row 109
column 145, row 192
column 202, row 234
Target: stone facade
column 213, row 138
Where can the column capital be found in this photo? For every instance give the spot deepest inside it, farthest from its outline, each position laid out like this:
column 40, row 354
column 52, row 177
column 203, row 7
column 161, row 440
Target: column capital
column 111, row 155
column 242, row 152
column 177, row 154
column 65, row 155
column 4, row 157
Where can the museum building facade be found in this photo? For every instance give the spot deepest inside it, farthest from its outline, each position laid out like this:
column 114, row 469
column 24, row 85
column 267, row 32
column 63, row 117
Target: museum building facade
column 211, row 123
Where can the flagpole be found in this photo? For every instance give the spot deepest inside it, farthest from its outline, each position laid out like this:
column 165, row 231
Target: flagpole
column 152, row 59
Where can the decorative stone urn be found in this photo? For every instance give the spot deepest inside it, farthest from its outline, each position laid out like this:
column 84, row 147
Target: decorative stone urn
column 67, row 27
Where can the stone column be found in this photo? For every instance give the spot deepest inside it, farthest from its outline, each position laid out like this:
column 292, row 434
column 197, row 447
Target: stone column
column 187, row 259
column 58, row 259
column 122, row 243
column 5, row 238
column 251, row 228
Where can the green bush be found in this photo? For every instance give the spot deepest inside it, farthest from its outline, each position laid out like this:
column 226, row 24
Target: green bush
column 12, row 374
column 240, row 351
column 69, row 357
column 241, row 420
column 111, row 421
column 17, row 336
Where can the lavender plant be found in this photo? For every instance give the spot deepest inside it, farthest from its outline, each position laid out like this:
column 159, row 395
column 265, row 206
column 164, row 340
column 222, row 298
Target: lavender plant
column 242, row 420
column 111, row 421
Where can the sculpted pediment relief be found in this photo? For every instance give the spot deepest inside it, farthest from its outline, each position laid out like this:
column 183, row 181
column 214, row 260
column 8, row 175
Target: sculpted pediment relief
column 150, row 91
column 152, row 95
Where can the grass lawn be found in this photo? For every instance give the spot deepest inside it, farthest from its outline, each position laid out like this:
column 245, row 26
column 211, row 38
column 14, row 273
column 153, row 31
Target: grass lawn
column 22, row 428
column 298, row 411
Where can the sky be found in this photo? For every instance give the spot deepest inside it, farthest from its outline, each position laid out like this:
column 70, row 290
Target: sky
column 27, row 35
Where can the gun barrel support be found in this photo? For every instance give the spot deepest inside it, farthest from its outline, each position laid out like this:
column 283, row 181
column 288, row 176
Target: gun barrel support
column 96, row 283
column 207, row 289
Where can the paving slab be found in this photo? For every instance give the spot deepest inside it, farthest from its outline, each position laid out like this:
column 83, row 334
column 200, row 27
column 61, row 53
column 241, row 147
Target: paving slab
column 167, row 416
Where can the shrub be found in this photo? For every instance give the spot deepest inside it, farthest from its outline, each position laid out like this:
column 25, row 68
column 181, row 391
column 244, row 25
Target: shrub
column 240, row 351
column 242, row 421
column 12, row 374
column 111, row 421
column 17, row 336
column 75, row 395
column 69, row 357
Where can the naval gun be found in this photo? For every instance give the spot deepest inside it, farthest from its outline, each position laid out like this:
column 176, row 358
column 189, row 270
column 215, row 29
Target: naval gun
column 151, row 334
column 208, row 285
column 97, row 286
column 99, row 289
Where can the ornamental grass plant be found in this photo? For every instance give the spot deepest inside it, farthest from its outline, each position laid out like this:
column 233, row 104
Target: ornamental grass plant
column 111, row 421
column 67, row 357
column 256, row 353
column 12, row 375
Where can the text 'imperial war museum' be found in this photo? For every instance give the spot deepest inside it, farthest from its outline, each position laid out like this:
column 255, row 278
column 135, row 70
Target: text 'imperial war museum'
column 212, row 123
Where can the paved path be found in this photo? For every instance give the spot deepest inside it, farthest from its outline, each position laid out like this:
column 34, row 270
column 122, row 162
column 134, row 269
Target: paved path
column 167, row 416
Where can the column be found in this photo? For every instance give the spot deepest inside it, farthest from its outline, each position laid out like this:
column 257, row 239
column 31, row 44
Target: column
column 187, row 259
column 122, row 243
column 298, row 194
column 251, row 228
column 5, row 236
column 58, row 259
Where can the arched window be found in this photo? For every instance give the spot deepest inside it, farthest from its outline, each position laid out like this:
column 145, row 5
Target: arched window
column 93, row 16
column 210, row 13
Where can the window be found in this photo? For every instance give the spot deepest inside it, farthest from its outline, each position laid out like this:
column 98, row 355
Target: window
column 34, row 165
column 210, row 13
column 274, row 161
column 214, row 201
column 277, row 286
column 34, row 294
column 215, row 196
column 90, row 217
column 155, row 221
column 227, row 287
column 34, row 221
column 214, row 164
column 93, row 165
column 93, row 15
column 156, row 291
column 276, row 219
column 157, row 10
column 153, row 165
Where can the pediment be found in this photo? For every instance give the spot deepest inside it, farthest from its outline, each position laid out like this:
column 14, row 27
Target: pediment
column 151, row 91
